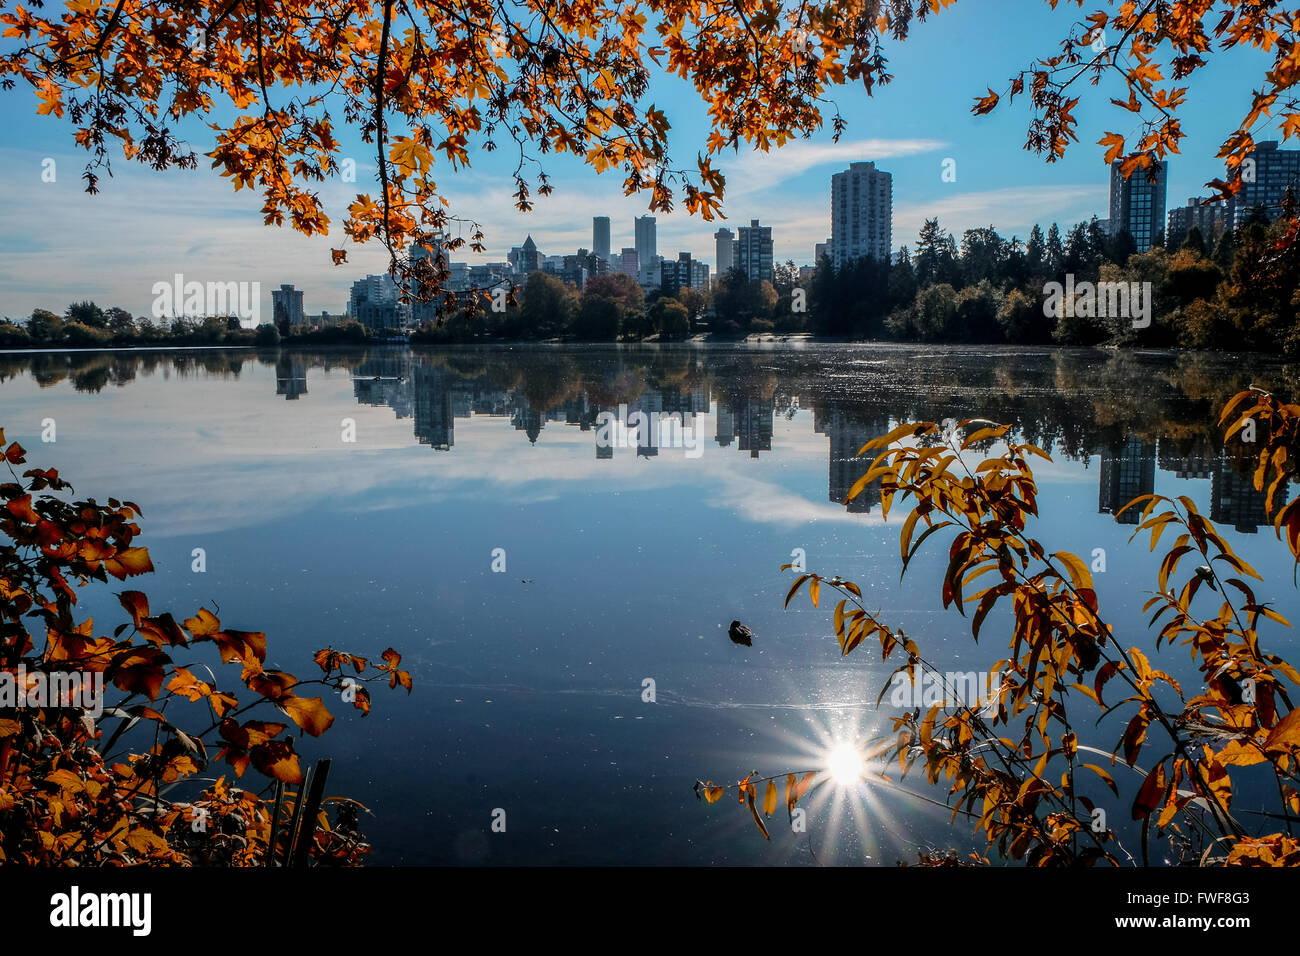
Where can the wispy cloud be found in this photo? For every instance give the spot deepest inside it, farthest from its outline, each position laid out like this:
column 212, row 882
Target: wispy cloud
column 756, row 172
column 1013, row 210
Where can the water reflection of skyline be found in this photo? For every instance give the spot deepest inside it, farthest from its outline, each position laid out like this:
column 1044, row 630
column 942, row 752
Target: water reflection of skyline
column 1141, row 415
column 435, row 397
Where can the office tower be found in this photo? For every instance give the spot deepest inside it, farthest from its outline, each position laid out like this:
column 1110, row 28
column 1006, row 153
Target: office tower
column 650, row 275
column 819, row 250
column 1209, row 217
column 862, row 214
column 374, row 303
column 286, row 305
column 1127, row 475
column 1267, row 172
column 629, row 262
column 725, row 250
column 427, row 258
column 675, row 274
column 754, row 251
column 600, row 236
column 644, row 233
column 530, row 259
column 1137, row 204
column 699, row 275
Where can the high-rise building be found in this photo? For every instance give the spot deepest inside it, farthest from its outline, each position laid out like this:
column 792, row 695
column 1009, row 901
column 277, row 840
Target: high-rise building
column 650, row 273
column 600, row 236
column 1267, row 173
column 681, row 273
column 375, row 303
column 725, row 255
column 675, row 274
column 629, row 263
column 1209, row 217
column 754, row 251
column 699, row 275
column 424, row 264
column 1137, row 204
column 286, row 305
column 644, row 231
column 530, row 259
column 820, row 250
column 862, row 214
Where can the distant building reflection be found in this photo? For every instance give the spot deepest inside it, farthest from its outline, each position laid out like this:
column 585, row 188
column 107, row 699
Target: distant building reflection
column 1126, row 474
column 290, row 376
column 1129, row 473
column 1234, row 500
column 435, row 396
column 847, row 434
column 748, row 419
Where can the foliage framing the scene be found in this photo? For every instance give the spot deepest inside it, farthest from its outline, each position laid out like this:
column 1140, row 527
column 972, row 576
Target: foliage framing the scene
column 1014, row 764
column 66, row 796
column 425, row 82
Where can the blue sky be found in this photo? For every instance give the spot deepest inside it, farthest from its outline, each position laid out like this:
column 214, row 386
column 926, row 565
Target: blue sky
column 58, row 244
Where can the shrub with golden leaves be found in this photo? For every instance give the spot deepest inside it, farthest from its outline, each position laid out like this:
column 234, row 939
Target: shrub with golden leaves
column 66, row 796
column 1014, row 764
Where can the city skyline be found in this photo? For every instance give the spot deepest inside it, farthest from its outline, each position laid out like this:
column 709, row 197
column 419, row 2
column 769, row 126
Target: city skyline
column 435, row 398
column 144, row 226
column 861, row 203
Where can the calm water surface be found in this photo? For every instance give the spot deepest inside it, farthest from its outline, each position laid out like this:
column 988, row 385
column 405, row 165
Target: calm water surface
column 623, row 564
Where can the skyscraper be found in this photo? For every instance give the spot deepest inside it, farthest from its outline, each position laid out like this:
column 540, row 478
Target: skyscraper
column 725, row 255
column 600, row 236
column 644, row 230
column 374, row 303
column 424, row 255
column 1265, row 177
column 676, row 274
column 629, row 263
column 1208, row 217
column 754, row 251
column 862, row 214
column 286, row 305
column 1137, row 204
column 530, row 259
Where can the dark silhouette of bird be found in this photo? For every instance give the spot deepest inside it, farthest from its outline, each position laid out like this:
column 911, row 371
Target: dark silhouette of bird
column 740, row 634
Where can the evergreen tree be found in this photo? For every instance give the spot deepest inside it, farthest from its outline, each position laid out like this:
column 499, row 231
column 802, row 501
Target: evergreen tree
column 1055, row 258
column 1036, row 252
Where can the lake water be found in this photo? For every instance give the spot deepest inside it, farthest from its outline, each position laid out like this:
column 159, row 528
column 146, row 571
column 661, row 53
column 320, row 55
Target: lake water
column 623, row 563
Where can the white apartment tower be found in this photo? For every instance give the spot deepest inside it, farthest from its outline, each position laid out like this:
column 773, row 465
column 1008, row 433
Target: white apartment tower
column 861, row 214
column 725, row 251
